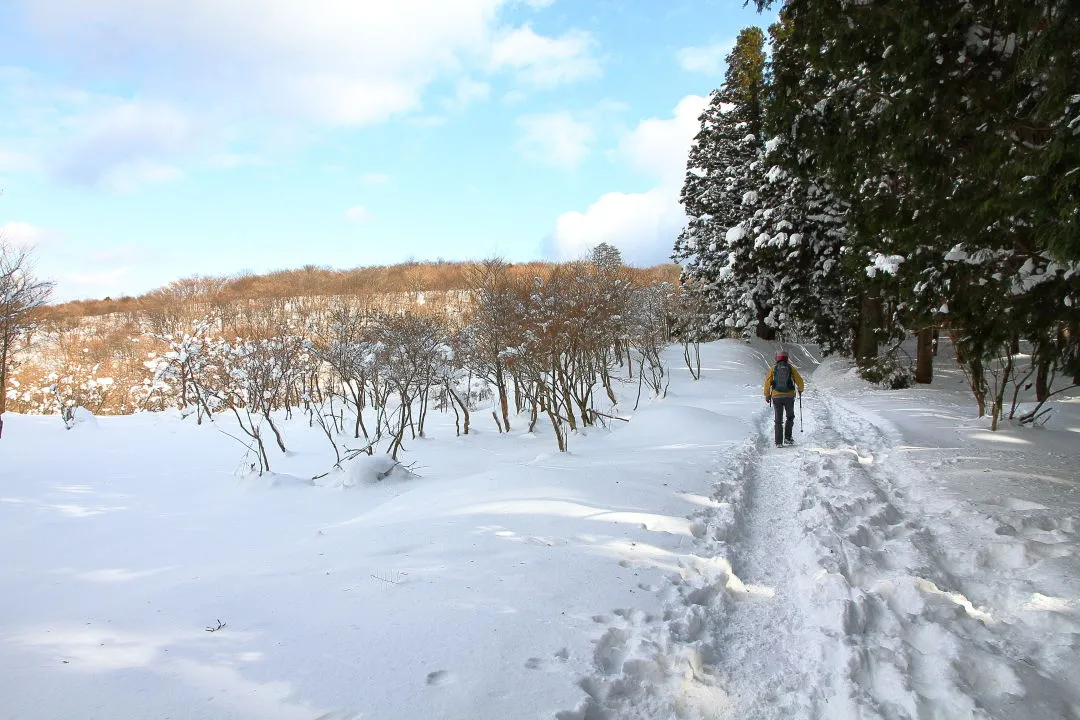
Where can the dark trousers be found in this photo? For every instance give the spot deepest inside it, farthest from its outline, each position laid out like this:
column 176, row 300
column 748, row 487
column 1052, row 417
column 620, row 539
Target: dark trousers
column 782, row 430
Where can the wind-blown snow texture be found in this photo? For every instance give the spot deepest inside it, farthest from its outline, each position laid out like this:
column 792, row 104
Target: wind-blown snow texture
column 900, row 562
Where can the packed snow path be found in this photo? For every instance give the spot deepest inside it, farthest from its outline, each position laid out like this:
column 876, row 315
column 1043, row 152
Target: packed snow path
column 820, row 588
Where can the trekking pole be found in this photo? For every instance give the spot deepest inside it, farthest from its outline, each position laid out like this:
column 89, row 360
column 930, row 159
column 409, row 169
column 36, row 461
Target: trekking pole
column 800, row 412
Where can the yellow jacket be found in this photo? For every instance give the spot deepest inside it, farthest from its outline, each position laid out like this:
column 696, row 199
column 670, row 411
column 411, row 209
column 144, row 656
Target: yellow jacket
column 770, row 392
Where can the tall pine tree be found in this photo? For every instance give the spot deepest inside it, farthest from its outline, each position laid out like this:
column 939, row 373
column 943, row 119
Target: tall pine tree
column 950, row 131
column 721, row 178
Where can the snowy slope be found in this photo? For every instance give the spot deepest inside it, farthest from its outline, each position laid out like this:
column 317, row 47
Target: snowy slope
column 901, row 561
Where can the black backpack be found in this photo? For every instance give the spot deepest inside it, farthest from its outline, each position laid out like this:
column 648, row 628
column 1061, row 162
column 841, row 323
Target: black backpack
column 781, row 377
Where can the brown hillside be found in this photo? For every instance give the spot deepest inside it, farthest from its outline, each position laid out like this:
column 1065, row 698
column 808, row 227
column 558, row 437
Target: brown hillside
column 313, row 281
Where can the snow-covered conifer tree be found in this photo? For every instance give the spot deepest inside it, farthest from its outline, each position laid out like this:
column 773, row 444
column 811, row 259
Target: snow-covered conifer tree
column 722, row 174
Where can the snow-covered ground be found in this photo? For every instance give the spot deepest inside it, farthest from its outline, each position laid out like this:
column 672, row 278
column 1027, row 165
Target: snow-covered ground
column 901, row 561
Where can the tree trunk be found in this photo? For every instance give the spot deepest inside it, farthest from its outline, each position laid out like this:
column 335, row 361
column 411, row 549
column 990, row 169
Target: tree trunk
column 359, row 399
column 605, row 376
column 924, row 363
column 277, row 434
column 3, row 378
column 262, row 452
column 1042, row 381
column 457, row 418
column 560, row 434
column 533, row 414
column 457, row 402
column 978, row 383
column 866, row 344
column 997, row 409
column 183, row 388
column 504, row 404
column 762, row 330
column 559, row 381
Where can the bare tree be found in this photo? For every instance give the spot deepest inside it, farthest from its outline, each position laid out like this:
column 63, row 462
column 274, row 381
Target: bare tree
column 493, row 328
column 411, row 350
column 183, row 368
column 690, row 320
column 350, row 356
column 650, row 336
column 20, row 295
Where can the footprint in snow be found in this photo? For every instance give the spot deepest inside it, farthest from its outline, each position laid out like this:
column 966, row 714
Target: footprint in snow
column 546, row 542
column 440, row 677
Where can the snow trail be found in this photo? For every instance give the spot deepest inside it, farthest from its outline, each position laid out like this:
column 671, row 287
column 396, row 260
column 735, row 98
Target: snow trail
column 896, row 618
column 818, row 587
column 774, row 655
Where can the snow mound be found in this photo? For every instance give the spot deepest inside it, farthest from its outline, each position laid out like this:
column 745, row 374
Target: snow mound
column 658, row 425
column 367, row 470
column 838, row 372
column 83, row 418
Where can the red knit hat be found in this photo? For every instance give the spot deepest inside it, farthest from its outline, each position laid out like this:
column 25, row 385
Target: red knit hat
column 781, row 355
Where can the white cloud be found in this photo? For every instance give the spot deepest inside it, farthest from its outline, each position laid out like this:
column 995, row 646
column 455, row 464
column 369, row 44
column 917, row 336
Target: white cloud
column 659, row 148
column 543, row 61
column 375, row 178
column 21, row 234
column 467, row 92
column 642, row 225
column 127, row 144
column 204, row 73
column 131, row 176
column 708, row 59
column 357, row 214
column 344, row 100
column 93, row 139
column 347, row 63
column 556, row 139
column 515, row 97
column 14, row 161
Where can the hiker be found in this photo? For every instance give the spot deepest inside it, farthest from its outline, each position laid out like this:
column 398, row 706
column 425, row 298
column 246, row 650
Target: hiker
column 780, row 387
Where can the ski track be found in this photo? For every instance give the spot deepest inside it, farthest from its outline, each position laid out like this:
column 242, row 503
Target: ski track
column 818, row 588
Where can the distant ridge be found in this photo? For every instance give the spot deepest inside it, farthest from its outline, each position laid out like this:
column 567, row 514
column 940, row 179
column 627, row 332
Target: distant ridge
column 312, row 280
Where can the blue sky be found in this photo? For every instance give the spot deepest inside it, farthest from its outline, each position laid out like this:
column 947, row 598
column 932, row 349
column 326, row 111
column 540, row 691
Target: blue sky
column 144, row 141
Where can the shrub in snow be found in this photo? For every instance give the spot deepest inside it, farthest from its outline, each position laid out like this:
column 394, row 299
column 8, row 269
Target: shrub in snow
column 892, row 371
